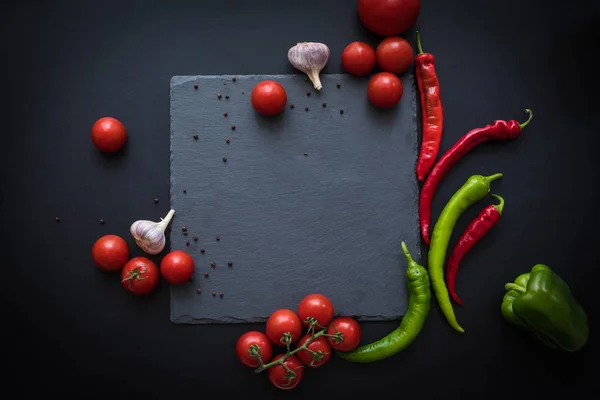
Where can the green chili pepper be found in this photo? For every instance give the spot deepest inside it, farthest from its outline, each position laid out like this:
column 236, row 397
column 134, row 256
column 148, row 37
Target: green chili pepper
column 411, row 324
column 474, row 189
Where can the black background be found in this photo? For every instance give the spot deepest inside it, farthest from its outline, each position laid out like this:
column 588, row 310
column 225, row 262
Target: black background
column 69, row 63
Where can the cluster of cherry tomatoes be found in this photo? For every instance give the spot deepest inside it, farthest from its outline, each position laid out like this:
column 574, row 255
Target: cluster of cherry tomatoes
column 284, row 329
column 140, row 275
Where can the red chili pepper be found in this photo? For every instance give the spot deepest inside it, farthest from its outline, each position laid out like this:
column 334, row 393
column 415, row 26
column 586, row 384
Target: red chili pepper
column 431, row 111
column 500, row 130
column 476, row 230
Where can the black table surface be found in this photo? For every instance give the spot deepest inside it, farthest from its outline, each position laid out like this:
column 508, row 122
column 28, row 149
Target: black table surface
column 75, row 329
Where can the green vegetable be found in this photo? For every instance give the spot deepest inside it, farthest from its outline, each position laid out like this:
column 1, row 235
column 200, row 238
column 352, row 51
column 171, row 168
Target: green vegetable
column 411, row 324
column 473, row 190
column 542, row 303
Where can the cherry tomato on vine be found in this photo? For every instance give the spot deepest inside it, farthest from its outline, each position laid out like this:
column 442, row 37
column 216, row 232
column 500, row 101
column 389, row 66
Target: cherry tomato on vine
column 389, row 17
column 268, row 97
column 316, row 306
column 139, row 276
column 394, row 54
column 349, row 328
column 108, row 134
column 281, row 378
column 110, row 253
column 177, row 267
column 385, row 90
column 358, row 58
column 283, row 321
column 320, row 346
column 253, row 342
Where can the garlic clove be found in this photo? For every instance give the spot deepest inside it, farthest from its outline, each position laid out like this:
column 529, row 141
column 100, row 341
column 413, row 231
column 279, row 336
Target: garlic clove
column 150, row 235
column 310, row 58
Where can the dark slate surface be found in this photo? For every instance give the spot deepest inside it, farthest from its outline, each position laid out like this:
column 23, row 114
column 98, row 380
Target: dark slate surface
column 330, row 221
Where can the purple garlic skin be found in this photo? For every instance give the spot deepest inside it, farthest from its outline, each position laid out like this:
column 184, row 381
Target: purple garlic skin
column 310, row 58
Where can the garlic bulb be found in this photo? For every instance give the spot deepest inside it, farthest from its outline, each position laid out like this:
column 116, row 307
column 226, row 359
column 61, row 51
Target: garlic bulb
column 310, row 58
column 150, row 235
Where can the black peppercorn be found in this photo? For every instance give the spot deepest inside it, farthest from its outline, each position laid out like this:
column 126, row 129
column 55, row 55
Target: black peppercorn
column 341, row 111
column 233, row 127
column 195, row 86
column 224, row 159
column 224, row 114
column 206, row 274
column 308, row 93
column 195, row 137
column 339, row 85
column 187, row 243
column 219, row 95
column 234, row 79
column 57, row 219
column 101, row 221
column 305, row 108
column 195, row 238
column 292, row 106
column 213, row 264
column 202, row 250
column 214, row 294
column 218, row 238
column 227, row 141
column 324, row 105
column 221, row 294
column 198, row 290
column 155, row 201
column 230, row 264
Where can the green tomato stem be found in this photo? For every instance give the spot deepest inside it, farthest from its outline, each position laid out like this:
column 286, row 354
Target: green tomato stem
column 289, row 353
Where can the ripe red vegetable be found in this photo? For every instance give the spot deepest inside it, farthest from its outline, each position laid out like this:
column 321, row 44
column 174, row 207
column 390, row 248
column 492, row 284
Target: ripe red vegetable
column 394, row 54
column 316, row 306
column 358, row 58
column 110, row 253
column 259, row 341
column 139, row 276
column 108, row 134
column 385, row 90
column 281, row 377
column 350, row 328
column 281, row 322
column 177, row 267
column 388, row 17
column 268, row 98
column 320, row 348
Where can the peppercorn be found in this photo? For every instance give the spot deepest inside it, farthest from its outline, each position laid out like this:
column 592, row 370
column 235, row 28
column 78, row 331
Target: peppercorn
column 308, row 93
column 224, row 114
column 187, row 243
column 195, row 238
column 214, row 294
column 292, row 106
column 184, row 228
column 233, row 127
column 339, row 85
column 195, row 137
column 202, row 250
column 221, row 294
column 224, row 159
column 57, row 219
column 230, row 264
column 341, row 111
column 185, row 233
column 206, row 274
column 218, row 238
column 155, row 201
column 198, row 290
column 218, row 95
column 305, row 154
column 324, row 105
column 213, row 264
column 101, row 221
column 227, row 97
column 227, row 141
column 234, row 79
column 306, row 108
column 195, row 86
column 184, row 190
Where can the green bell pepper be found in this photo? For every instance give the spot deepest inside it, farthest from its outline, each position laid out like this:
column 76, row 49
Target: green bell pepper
column 542, row 303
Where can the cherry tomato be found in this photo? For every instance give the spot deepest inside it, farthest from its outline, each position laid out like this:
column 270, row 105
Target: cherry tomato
column 385, row 90
column 177, row 267
column 351, row 331
column 316, row 306
column 319, row 346
column 388, row 17
column 139, row 276
column 108, row 134
column 281, row 378
column 110, row 253
column 358, row 58
column 268, row 97
column 280, row 322
column 253, row 341
column 394, row 54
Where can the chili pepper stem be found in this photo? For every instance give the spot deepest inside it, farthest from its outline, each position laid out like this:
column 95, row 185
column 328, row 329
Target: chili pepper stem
column 419, row 43
column 492, row 178
column 524, row 124
column 514, row 286
column 499, row 206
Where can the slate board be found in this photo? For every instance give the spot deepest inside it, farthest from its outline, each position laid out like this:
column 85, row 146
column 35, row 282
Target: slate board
column 308, row 201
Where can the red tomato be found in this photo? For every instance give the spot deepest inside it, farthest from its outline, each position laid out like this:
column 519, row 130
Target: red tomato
column 388, row 17
column 318, row 307
column 108, row 134
column 268, row 97
column 139, row 276
column 283, row 321
column 256, row 341
column 385, row 90
column 281, row 378
column 349, row 329
column 358, row 58
column 110, row 253
column 320, row 346
column 177, row 267
column 394, row 54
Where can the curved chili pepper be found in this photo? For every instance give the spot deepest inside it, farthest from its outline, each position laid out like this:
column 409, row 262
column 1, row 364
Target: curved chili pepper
column 432, row 113
column 500, row 130
column 476, row 230
column 473, row 190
